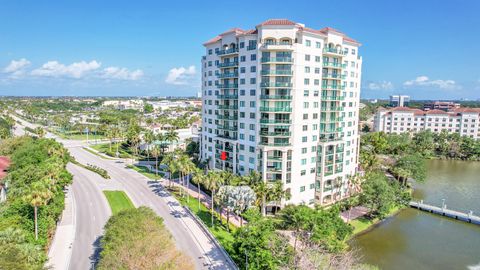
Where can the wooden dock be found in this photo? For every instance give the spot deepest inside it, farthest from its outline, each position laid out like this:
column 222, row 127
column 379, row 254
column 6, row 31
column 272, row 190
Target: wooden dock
column 443, row 211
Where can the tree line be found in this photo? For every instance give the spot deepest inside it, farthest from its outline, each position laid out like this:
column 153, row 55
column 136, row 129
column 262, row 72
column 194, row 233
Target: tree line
column 35, row 183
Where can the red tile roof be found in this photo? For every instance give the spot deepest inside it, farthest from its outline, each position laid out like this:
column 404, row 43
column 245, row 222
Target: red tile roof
column 323, row 31
column 213, row 40
column 277, row 22
column 4, row 164
column 467, row 110
column 236, row 30
column 436, row 112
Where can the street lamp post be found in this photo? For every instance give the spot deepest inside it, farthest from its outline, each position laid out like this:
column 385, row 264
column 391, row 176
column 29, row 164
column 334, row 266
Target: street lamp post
column 246, row 260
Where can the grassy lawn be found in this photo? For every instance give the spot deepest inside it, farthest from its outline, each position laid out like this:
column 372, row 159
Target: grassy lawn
column 118, row 201
column 146, row 172
column 362, row 224
column 219, row 230
column 105, row 148
column 73, row 135
column 97, row 154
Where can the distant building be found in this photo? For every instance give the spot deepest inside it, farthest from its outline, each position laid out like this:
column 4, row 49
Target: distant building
column 135, row 104
column 446, row 106
column 399, row 101
column 464, row 121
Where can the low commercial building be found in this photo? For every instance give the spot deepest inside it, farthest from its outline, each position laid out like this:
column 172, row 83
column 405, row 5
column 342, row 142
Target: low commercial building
column 446, row 106
column 464, row 121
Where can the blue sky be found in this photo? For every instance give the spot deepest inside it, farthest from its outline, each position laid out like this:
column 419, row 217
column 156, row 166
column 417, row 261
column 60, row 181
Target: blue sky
column 428, row 49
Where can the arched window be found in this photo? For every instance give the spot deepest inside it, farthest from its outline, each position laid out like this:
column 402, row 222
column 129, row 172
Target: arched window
column 286, row 41
column 270, row 41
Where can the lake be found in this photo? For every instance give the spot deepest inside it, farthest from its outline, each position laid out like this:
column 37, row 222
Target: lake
column 418, row 240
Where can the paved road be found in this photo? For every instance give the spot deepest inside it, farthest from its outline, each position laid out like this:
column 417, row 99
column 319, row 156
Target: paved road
column 188, row 235
column 91, row 214
column 92, row 210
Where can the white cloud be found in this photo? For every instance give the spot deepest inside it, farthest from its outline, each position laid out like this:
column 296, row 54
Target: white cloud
column 382, row 85
column 75, row 70
column 181, row 75
column 16, row 68
column 425, row 81
column 122, row 73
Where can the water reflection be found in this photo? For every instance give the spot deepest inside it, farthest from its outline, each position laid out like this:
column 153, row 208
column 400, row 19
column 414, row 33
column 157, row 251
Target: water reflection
column 418, row 240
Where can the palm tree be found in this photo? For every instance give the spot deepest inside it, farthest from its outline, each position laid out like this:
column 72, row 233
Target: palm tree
column 259, row 186
column 171, row 162
column 156, row 154
column 161, row 139
column 171, row 136
column 212, row 182
column 199, row 177
column 189, row 168
column 148, row 137
column 38, row 194
column 40, row 132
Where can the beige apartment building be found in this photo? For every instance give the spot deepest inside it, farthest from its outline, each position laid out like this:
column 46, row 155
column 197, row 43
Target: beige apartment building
column 283, row 99
column 464, row 121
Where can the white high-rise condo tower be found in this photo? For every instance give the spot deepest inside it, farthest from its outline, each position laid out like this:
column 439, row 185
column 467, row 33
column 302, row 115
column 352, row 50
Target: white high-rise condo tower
column 283, row 100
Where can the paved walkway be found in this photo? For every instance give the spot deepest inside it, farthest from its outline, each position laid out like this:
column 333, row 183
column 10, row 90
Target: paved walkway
column 355, row 212
column 61, row 247
column 205, row 199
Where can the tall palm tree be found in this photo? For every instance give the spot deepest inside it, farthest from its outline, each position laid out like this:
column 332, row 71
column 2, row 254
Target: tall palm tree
column 148, row 137
column 171, row 136
column 199, row 177
column 37, row 195
column 172, row 165
column 161, row 139
column 189, row 168
column 212, row 182
column 156, row 154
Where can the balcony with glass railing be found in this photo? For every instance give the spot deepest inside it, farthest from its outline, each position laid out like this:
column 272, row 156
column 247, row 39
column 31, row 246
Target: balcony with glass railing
column 275, row 133
column 227, row 64
column 333, row 137
column 276, row 60
column 333, row 87
column 334, row 76
column 276, row 84
column 229, row 128
column 278, row 144
column 333, row 98
column 228, row 107
column 227, row 117
column 227, row 136
column 227, row 51
column 227, row 75
column 275, row 109
column 332, row 109
column 222, row 147
column 228, row 85
column 272, row 72
column 333, row 51
column 276, row 121
column 331, row 119
column 331, row 130
column 275, row 97
column 227, row 96
column 334, row 65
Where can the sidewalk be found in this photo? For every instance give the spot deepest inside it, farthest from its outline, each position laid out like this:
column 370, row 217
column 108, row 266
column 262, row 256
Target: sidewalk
column 205, row 199
column 61, row 248
column 355, row 212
